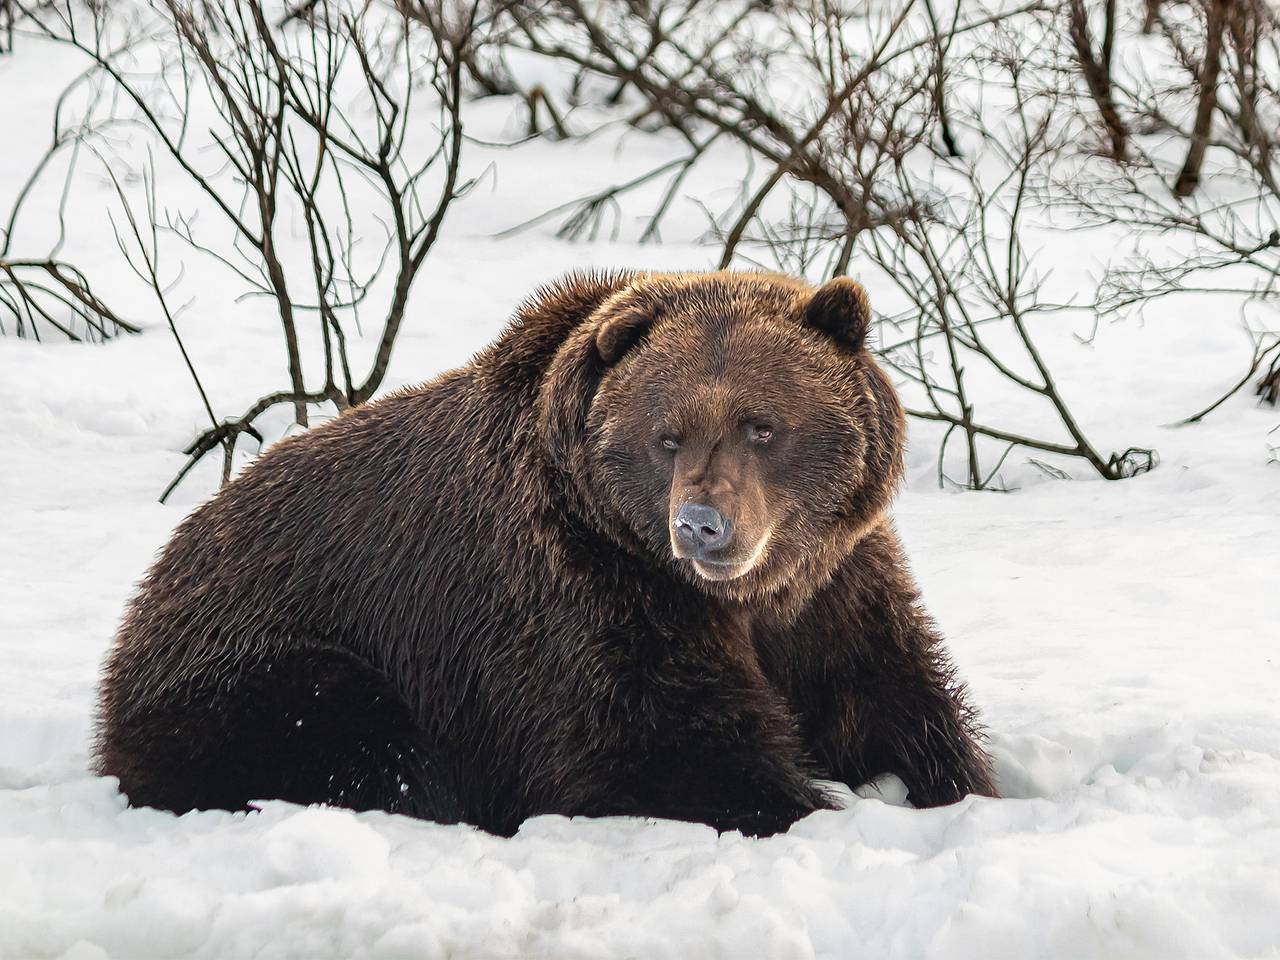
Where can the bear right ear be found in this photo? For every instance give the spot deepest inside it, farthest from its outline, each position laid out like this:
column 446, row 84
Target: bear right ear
column 841, row 310
column 619, row 333
column 579, row 365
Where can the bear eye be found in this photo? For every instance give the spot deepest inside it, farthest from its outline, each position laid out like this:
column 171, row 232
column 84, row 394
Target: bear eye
column 669, row 443
column 760, row 432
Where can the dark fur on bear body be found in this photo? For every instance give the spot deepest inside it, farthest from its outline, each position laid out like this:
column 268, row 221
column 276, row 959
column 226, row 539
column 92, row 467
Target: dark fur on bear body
column 481, row 599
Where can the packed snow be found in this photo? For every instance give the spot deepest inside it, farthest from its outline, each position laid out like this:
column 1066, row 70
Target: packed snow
column 1121, row 640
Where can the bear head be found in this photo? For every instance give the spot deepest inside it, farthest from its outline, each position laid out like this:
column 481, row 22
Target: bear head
column 730, row 427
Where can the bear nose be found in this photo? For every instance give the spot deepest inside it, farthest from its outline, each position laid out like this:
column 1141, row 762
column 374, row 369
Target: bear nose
column 702, row 528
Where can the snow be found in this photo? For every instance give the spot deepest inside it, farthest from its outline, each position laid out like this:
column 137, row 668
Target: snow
column 1119, row 638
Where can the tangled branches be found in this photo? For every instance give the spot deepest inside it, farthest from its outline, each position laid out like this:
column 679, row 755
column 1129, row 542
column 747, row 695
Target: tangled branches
column 289, row 146
column 849, row 110
column 55, row 293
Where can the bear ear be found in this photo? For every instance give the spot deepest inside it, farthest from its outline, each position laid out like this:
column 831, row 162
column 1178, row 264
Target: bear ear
column 841, row 310
column 619, row 333
column 579, row 365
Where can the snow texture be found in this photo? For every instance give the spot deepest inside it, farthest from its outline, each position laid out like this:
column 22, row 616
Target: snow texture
column 1120, row 639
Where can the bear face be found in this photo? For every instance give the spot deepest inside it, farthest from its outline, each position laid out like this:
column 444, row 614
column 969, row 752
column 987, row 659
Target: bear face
column 735, row 428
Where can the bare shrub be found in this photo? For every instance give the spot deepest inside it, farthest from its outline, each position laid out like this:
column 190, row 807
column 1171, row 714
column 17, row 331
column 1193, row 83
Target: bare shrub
column 311, row 119
column 44, row 293
column 1268, row 386
column 1096, row 66
column 52, row 293
column 847, row 107
column 969, row 277
column 6, row 26
column 1215, row 120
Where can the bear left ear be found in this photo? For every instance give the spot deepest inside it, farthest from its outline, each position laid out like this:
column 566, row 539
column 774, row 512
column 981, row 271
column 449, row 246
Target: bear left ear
column 841, row 310
column 621, row 332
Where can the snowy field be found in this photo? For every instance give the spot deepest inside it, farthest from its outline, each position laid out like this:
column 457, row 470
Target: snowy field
column 1122, row 641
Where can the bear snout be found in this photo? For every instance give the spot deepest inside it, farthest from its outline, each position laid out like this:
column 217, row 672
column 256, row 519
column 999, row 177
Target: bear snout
column 701, row 529
column 716, row 545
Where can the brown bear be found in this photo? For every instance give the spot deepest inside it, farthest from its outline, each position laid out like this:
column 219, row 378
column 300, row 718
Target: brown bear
column 632, row 559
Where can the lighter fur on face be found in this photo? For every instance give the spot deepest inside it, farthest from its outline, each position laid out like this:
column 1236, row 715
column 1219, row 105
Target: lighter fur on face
column 720, row 572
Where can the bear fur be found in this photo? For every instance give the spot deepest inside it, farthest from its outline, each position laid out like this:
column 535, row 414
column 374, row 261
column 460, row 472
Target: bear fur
column 476, row 600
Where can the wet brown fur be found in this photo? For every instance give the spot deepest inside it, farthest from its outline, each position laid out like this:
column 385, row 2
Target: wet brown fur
column 461, row 602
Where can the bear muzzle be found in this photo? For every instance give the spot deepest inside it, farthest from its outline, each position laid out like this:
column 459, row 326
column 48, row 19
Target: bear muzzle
column 705, row 536
column 701, row 529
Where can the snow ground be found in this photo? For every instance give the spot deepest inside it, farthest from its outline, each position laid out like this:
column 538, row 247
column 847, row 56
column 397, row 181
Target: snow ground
column 1120, row 640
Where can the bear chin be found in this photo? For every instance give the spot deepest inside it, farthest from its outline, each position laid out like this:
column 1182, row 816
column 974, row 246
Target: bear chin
column 717, row 571
column 723, row 571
